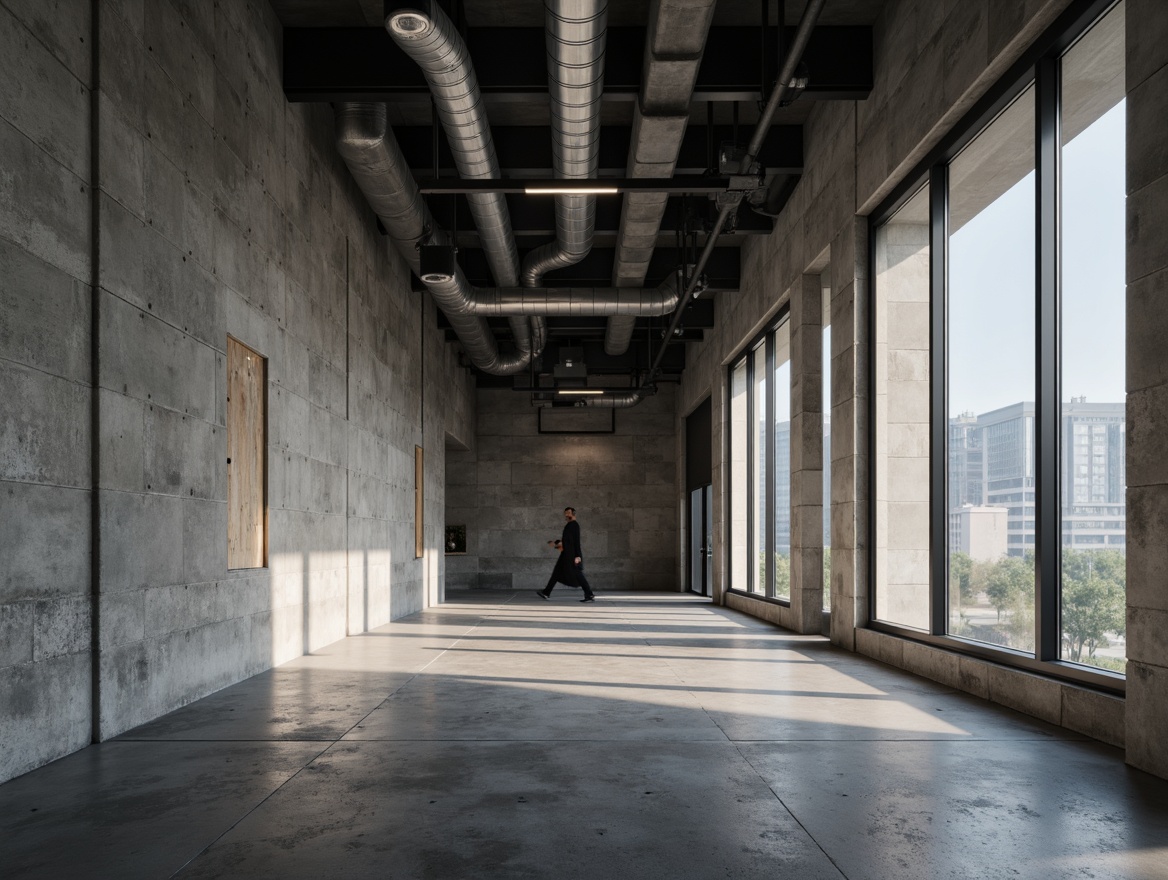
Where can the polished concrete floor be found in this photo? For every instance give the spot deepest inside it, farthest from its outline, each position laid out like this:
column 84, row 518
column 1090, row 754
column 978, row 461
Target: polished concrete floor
column 638, row 737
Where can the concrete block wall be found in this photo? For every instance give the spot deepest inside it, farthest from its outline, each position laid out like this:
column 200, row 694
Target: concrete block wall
column 511, row 489
column 45, row 426
column 222, row 210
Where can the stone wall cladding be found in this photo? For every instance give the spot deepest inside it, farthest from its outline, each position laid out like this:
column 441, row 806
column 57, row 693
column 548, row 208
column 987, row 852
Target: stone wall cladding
column 224, row 210
column 510, row 492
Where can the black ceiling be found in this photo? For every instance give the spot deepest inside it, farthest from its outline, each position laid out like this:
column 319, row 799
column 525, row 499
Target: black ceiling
column 336, row 50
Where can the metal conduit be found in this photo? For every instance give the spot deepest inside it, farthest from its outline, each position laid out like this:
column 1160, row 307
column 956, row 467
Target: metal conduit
column 802, row 34
column 674, row 44
column 575, row 45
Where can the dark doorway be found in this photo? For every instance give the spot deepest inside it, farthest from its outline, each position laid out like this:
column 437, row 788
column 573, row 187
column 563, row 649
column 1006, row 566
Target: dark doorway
column 698, row 483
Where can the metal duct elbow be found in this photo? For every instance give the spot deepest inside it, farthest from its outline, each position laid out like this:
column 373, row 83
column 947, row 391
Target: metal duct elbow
column 576, row 32
column 368, row 147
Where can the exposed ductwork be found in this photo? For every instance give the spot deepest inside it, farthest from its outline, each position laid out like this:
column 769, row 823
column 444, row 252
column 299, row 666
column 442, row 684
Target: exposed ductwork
column 674, row 42
column 367, row 145
column 429, row 37
column 575, row 46
column 375, row 160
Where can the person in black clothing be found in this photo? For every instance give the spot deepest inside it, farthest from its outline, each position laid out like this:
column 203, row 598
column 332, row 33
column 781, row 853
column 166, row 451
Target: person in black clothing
column 570, row 566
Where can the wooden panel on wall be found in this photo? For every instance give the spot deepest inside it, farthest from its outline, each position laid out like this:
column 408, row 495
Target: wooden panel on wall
column 419, row 507
column 247, row 512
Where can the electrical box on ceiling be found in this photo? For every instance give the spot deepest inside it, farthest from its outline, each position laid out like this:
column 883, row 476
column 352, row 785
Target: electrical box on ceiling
column 571, row 364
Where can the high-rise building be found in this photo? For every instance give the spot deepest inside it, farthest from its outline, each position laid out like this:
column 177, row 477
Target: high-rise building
column 1093, row 476
column 966, row 480
column 991, row 463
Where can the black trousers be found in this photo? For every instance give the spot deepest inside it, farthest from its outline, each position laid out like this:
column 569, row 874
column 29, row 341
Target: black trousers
column 579, row 577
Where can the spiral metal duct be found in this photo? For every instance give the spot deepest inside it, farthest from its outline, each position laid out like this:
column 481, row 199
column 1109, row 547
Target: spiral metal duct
column 375, row 160
column 575, row 47
column 367, row 145
column 429, row 37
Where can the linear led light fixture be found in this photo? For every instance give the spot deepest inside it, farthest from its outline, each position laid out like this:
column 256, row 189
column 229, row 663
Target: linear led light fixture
column 580, row 391
column 695, row 184
column 565, row 191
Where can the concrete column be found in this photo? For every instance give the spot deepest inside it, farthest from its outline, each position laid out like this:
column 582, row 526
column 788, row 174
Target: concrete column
column 902, row 390
column 806, row 324
column 1147, row 385
column 719, row 415
column 849, row 434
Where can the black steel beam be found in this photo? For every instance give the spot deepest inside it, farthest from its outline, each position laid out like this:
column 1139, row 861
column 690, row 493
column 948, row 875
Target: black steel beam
column 595, row 270
column 364, row 64
column 533, row 218
column 548, row 186
column 526, row 150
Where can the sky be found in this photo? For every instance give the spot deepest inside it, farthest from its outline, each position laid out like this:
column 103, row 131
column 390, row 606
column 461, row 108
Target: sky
column 991, row 283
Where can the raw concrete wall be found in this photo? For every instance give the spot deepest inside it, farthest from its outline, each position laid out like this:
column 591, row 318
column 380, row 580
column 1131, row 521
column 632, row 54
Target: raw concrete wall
column 223, row 210
column 45, row 435
column 511, row 490
column 1147, row 385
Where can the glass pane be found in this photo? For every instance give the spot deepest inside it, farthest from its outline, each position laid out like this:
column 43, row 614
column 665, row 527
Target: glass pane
column 902, row 415
column 758, row 536
column 782, row 387
column 826, row 449
column 1093, row 477
column 991, row 314
column 697, row 562
column 740, row 564
column 708, row 498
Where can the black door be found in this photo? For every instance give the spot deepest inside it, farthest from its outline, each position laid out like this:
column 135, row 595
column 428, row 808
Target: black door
column 701, row 557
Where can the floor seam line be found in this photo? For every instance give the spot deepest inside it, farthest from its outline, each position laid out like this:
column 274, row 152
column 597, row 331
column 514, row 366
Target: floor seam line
column 247, row 813
column 356, row 724
column 791, row 813
column 330, row 744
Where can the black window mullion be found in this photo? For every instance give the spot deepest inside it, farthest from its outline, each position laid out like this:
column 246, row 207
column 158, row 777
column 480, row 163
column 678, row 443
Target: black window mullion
column 751, row 470
column 770, row 465
column 1048, row 512
column 938, row 392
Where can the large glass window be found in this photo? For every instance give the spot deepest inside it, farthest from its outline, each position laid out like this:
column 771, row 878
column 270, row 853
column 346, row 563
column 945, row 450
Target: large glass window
column 991, row 393
column 1093, row 475
column 826, row 444
column 758, row 582
column 782, row 467
column 999, row 515
column 740, row 494
column 760, row 464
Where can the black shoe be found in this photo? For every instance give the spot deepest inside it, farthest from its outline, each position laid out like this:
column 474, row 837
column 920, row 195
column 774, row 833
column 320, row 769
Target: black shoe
column 588, row 599
column 542, row 594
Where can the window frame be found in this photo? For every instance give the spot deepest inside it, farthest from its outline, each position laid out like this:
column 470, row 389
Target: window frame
column 746, row 353
column 1040, row 65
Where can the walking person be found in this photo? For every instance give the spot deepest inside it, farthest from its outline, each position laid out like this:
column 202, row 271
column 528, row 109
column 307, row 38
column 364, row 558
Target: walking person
column 569, row 568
